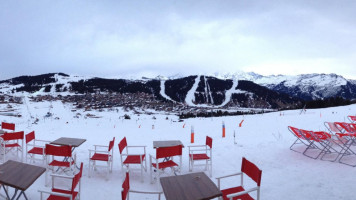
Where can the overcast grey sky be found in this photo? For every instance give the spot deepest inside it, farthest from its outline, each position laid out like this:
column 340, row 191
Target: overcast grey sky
column 149, row 37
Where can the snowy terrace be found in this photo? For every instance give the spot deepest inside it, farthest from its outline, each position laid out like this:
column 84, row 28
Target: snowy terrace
column 263, row 139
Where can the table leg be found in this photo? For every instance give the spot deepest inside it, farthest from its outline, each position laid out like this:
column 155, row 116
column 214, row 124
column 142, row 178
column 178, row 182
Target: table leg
column 15, row 194
column 13, row 197
column 7, row 195
column 23, row 193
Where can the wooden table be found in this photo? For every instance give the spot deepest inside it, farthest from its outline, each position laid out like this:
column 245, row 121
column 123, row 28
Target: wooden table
column 65, row 141
column 19, row 176
column 194, row 186
column 167, row 143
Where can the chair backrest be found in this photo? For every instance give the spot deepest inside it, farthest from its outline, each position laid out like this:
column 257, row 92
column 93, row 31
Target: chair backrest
column 251, row 170
column 352, row 118
column 295, row 132
column 111, row 144
column 332, row 127
column 353, row 126
column 77, row 178
column 125, row 187
column 322, row 134
column 13, row 136
column 53, row 150
column 345, row 126
column 209, row 142
column 122, row 144
column 8, row 126
column 163, row 152
column 30, row 136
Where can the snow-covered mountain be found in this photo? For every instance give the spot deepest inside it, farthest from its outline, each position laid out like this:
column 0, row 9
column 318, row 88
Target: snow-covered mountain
column 192, row 91
column 304, row 86
column 245, row 90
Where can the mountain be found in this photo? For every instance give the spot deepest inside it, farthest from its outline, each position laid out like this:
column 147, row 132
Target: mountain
column 238, row 90
column 304, row 86
column 191, row 91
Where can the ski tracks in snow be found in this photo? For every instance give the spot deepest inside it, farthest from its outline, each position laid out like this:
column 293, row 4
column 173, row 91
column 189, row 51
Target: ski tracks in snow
column 229, row 93
column 190, row 98
column 163, row 89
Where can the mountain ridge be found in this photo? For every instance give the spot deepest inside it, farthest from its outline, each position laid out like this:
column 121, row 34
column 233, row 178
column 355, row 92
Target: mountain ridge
column 238, row 90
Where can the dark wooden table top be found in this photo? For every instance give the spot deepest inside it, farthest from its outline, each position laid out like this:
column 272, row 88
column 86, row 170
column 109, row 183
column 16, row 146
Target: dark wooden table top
column 19, row 175
column 74, row 142
column 194, row 186
column 167, row 143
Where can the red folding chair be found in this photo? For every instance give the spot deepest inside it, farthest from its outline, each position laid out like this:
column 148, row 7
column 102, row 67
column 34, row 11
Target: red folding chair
column 100, row 154
column 201, row 153
column 58, row 193
column 164, row 159
column 320, row 141
column 301, row 140
column 352, row 118
column 12, row 142
column 7, row 127
column 59, row 159
column 347, row 137
column 33, row 149
column 125, row 191
column 128, row 159
column 239, row 192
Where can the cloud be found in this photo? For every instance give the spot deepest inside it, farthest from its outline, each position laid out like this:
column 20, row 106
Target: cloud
column 167, row 37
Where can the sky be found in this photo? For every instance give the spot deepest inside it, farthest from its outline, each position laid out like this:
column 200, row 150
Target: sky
column 157, row 37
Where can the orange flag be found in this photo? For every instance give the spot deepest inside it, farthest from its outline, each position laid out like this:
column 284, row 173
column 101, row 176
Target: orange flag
column 241, row 123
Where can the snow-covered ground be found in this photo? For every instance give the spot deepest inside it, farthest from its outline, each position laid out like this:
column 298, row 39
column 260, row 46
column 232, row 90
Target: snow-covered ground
column 263, row 139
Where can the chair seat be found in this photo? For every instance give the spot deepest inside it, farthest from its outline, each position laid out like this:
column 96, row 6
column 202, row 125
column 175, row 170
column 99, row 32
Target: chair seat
column 163, row 165
column 134, row 159
column 36, row 150
column 201, row 156
column 12, row 145
column 100, row 156
column 54, row 197
column 228, row 191
column 60, row 163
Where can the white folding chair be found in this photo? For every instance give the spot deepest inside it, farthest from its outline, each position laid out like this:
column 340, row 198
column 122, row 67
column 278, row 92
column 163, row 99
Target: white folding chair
column 201, row 153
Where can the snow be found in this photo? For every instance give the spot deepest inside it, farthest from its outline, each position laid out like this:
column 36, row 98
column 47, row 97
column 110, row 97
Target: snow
column 262, row 139
column 190, row 98
column 231, row 91
column 163, row 89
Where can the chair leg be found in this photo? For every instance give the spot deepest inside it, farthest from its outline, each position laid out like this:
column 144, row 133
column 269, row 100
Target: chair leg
column 141, row 172
column 190, row 165
column 145, row 165
column 151, row 170
column 111, row 163
column 89, row 169
column 211, row 168
column 108, row 170
column 46, row 174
